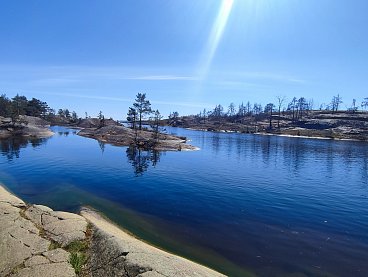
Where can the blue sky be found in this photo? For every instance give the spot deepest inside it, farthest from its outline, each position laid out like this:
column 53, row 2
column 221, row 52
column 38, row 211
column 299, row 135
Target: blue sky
column 185, row 54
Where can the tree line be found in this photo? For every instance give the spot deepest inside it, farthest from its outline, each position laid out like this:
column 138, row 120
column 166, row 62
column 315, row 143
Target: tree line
column 19, row 105
column 141, row 111
column 296, row 109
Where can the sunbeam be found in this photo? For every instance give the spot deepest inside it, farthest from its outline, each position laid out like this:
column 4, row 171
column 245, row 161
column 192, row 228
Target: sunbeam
column 215, row 36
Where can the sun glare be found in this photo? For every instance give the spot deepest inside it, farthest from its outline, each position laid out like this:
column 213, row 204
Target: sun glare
column 215, row 35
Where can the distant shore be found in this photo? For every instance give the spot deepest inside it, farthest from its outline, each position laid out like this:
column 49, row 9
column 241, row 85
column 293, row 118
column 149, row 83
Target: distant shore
column 306, row 137
column 316, row 124
column 277, row 135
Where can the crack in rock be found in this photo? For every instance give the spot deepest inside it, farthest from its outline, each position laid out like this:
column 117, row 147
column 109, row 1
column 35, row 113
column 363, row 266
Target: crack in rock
column 14, row 237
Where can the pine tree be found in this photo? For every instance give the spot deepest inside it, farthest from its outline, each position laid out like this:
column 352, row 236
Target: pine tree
column 142, row 106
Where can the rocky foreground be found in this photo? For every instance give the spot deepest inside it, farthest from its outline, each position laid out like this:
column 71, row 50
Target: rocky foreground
column 37, row 241
column 123, row 136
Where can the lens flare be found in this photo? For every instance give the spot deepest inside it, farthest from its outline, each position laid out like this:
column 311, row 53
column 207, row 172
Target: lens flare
column 215, row 36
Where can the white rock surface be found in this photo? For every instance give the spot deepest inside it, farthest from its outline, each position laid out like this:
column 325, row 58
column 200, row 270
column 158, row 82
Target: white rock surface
column 23, row 251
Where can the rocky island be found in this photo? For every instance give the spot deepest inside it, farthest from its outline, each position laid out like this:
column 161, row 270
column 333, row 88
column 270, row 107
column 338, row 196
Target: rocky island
column 145, row 139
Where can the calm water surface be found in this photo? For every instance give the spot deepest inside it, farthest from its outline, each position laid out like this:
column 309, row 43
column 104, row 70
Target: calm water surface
column 244, row 204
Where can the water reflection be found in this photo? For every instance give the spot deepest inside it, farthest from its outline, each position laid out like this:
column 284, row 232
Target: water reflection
column 141, row 160
column 64, row 133
column 10, row 147
column 279, row 206
column 102, row 146
column 293, row 154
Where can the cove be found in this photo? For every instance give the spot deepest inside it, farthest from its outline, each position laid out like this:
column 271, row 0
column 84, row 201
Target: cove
column 243, row 204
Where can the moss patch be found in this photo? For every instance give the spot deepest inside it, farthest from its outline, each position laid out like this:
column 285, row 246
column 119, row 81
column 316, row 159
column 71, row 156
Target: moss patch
column 77, row 246
column 54, row 245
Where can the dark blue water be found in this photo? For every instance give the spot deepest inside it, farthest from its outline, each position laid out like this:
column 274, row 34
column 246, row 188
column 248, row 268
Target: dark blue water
column 243, row 204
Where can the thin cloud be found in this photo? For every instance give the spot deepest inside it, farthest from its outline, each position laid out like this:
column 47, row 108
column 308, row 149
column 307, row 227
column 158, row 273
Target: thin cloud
column 52, row 81
column 162, row 78
column 94, row 97
column 129, row 100
column 272, row 76
column 44, row 75
column 183, row 104
column 240, row 84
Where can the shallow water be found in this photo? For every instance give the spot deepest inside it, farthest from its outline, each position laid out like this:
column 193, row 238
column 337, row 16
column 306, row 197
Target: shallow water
column 243, row 204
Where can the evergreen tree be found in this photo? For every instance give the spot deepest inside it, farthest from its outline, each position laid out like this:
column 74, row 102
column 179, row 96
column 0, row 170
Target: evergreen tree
column 155, row 124
column 19, row 105
column 36, row 108
column 132, row 117
column 143, row 107
column 5, row 106
column 74, row 117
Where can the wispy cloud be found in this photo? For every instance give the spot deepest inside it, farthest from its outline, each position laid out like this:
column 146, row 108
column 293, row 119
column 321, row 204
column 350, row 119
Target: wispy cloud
column 129, row 100
column 55, row 75
column 271, row 76
column 52, row 81
column 240, row 84
column 162, row 78
column 95, row 97
column 184, row 104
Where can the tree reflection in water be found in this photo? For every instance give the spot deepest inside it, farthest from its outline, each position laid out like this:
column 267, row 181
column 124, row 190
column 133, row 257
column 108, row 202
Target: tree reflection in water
column 142, row 159
column 64, row 133
column 10, row 147
column 102, row 146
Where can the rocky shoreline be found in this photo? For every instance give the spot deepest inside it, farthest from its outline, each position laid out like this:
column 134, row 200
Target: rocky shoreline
column 28, row 126
column 317, row 124
column 37, row 241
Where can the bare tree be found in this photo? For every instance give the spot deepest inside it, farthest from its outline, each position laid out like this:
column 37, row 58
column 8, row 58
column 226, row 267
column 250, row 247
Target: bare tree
column 365, row 103
column 280, row 102
column 269, row 109
column 353, row 107
column 249, row 108
column 335, row 103
column 302, row 107
column 204, row 114
column 257, row 109
column 218, row 111
column 231, row 110
column 310, row 104
column 293, row 106
column 241, row 110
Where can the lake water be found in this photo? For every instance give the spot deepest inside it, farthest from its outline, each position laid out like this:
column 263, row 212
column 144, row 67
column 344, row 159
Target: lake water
column 243, row 204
